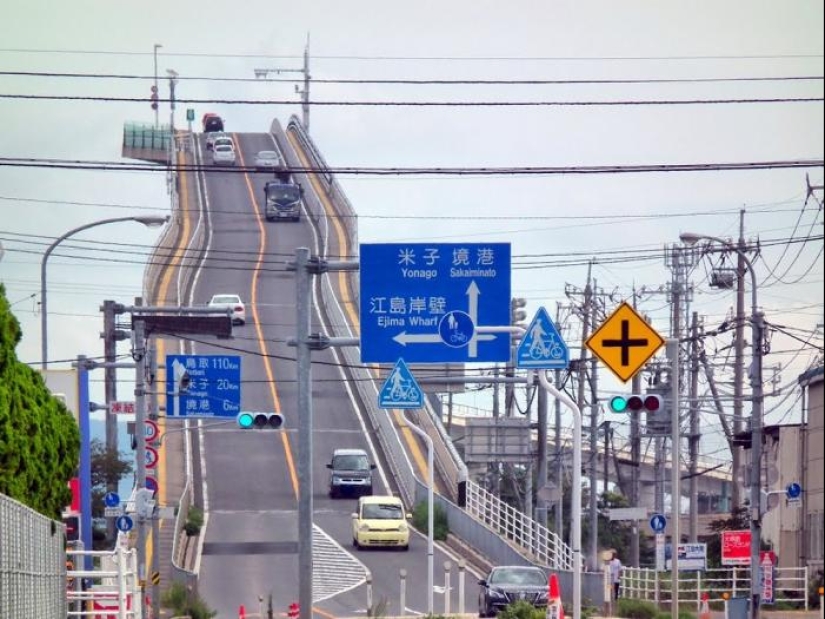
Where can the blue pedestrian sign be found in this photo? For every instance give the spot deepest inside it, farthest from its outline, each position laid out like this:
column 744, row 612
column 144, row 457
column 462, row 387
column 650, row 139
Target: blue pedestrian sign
column 111, row 499
column 430, row 303
column 658, row 522
column 400, row 390
column 542, row 346
column 793, row 492
column 124, row 524
column 203, row 385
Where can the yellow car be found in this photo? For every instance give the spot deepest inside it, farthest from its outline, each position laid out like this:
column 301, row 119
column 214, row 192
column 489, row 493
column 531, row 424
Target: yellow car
column 380, row 521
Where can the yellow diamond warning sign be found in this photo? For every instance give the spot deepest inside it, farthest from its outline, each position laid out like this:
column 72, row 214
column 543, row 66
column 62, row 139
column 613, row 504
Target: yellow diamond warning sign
column 624, row 342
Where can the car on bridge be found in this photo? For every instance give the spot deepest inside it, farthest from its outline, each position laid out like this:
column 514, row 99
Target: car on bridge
column 233, row 302
column 507, row 584
column 350, row 473
column 380, row 521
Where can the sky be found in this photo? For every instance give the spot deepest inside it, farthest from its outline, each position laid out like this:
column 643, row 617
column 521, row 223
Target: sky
column 557, row 223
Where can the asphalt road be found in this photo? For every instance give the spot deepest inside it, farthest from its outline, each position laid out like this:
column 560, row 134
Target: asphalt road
column 247, row 479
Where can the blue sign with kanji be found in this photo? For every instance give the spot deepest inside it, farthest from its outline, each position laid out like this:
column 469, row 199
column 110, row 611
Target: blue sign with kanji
column 203, row 385
column 434, row 302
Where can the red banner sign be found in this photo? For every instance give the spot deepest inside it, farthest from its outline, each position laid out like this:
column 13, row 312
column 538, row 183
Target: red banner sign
column 736, row 547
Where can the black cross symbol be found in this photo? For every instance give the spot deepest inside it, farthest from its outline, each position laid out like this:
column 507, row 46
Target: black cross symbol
column 625, row 342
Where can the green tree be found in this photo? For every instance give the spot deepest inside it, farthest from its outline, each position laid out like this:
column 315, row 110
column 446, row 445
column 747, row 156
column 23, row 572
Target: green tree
column 108, row 467
column 39, row 438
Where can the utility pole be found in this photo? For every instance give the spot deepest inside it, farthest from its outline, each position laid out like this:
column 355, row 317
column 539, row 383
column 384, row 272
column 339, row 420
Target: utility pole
column 693, row 438
column 738, row 367
column 635, row 459
column 592, row 555
column 110, row 394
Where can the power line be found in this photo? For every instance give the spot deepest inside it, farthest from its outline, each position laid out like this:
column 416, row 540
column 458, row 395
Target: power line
column 613, row 103
column 430, row 82
column 69, row 164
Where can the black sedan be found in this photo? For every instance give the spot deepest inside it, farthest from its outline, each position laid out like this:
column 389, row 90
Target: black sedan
column 511, row 583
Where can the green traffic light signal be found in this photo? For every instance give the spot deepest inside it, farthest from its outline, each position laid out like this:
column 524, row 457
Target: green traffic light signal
column 247, row 420
column 636, row 403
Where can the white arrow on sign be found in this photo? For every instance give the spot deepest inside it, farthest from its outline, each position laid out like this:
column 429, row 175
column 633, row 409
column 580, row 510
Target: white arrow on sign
column 405, row 338
column 472, row 310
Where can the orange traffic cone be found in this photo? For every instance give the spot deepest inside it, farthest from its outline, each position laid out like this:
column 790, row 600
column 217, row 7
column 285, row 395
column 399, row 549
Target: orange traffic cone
column 555, row 610
column 242, row 612
column 704, row 607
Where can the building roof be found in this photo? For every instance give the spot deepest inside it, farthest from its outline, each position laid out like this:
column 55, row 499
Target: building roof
column 813, row 375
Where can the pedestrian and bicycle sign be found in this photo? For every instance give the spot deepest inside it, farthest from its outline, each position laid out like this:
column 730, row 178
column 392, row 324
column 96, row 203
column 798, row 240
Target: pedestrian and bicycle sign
column 658, row 522
column 203, row 385
column 431, row 303
column 624, row 342
column 542, row 346
column 400, row 390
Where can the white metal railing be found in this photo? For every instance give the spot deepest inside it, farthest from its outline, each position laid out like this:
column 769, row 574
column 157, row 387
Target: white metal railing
column 112, row 591
column 533, row 538
column 647, row 584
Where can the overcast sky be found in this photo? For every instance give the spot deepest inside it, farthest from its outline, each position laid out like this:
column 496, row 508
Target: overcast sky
column 611, row 217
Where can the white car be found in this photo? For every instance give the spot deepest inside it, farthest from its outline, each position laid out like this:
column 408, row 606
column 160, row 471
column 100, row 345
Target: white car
column 223, row 154
column 212, row 136
column 233, row 301
column 268, row 160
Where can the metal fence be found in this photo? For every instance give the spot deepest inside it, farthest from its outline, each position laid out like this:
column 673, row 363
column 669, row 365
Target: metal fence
column 146, row 136
column 791, row 584
column 32, row 563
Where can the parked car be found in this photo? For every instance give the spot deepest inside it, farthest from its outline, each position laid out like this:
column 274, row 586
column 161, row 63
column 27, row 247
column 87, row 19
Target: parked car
column 268, row 160
column 223, row 154
column 233, row 301
column 350, row 472
column 510, row 583
column 380, row 521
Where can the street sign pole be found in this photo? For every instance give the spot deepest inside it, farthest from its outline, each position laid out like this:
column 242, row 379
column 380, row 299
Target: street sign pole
column 675, row 475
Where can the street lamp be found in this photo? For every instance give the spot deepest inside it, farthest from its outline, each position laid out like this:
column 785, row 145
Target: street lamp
column 756, row 417
column 149, row 221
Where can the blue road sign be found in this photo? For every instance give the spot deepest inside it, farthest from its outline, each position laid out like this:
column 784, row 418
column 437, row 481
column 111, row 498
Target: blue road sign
column 400, row 390
column 658, row 522
column 213, row 390
column 430, row 303
column 542, row 346
column 152, row 484
column 793, row 491
column 111, row 499
column 124, row 523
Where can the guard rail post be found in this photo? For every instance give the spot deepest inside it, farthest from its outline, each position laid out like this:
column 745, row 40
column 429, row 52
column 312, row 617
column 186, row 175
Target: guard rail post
column 402, row 603
column 461, row 567
column 447, row 567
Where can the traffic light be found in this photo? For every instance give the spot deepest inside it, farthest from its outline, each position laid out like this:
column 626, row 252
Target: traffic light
column 183, row 382
column 72, row 528
column 636, row 403
column 154, row 97
column 247, row 420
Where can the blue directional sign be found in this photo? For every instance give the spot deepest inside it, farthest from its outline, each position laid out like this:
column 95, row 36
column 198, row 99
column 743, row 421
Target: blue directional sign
column 203, row 385
column 111, row 499
column 400, row 390
column 430, row 303
column 658, row 522
column 124, row 523
column 542, row 346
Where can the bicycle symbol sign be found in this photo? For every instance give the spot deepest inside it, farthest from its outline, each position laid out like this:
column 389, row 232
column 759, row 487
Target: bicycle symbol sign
column 542, row 346
column 400, row 390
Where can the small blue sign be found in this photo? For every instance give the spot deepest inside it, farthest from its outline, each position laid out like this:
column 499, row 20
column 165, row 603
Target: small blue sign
column 152, row 484
column 793, row 491
column 213, row 390
column 542, row 346
column 124, row 524
column 400, row 390
column 111, row 499
column 658, row 522
column 430, row 303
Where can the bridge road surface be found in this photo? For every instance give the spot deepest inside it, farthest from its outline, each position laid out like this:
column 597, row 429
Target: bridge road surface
column 250, row 541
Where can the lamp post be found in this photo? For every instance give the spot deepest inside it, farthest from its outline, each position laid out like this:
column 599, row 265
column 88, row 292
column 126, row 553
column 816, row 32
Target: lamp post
column 44, row 312
column 157, row 46
column 756, row 417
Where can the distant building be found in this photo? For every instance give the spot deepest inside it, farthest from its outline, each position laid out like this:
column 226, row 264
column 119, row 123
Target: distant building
column 793, row 453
